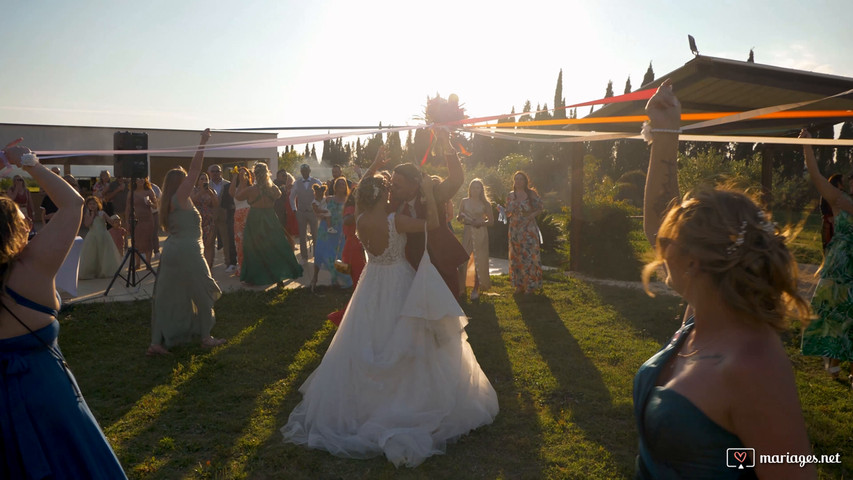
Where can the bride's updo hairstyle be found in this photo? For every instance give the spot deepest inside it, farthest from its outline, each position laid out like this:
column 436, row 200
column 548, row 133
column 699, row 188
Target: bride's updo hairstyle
column 740, row 248
column 370, row 190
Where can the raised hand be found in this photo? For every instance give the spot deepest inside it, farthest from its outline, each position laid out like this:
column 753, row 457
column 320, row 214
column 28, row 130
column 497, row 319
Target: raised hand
column 205, row 136
column 664, row 109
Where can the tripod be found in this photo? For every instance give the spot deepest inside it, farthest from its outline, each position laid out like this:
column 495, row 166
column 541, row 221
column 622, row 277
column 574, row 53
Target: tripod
column 132, row 255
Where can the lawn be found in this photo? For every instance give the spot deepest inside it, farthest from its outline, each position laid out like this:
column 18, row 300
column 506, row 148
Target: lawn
column 562, row 364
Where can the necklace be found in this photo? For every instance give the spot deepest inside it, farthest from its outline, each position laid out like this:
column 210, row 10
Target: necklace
column 697, row 350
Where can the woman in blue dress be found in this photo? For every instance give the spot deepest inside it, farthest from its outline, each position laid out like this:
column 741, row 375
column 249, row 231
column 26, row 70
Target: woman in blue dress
column 46, row 428
column 329, row 243
column 722, row 391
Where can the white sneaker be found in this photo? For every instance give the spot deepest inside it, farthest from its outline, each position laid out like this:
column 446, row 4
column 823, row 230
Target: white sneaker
column 231, row 269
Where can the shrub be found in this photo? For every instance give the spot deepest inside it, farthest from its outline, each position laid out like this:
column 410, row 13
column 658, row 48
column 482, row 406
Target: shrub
column 606, row 249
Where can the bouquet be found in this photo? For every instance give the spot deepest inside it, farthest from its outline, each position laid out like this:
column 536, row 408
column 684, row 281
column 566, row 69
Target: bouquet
column 441, row 111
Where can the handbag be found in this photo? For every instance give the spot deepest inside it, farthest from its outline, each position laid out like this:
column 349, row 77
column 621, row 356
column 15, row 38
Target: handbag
column 342, row 267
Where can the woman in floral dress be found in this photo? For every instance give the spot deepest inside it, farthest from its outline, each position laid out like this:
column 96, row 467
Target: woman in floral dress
column 523, row 204
column 830, row 333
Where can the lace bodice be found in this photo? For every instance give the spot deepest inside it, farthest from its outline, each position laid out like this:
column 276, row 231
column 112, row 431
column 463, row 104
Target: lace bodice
column 396, row 249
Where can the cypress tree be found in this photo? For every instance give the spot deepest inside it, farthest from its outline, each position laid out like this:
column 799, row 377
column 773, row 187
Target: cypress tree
column 649, row 77
column 628, row 85
column 559, row 101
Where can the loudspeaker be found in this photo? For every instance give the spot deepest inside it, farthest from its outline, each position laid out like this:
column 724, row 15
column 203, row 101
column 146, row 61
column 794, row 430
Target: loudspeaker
column 131, row 165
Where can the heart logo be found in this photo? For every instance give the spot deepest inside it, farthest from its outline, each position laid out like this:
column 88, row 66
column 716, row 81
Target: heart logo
column 740, row 456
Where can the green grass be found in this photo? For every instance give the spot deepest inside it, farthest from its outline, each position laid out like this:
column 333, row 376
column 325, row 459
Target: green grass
column 561, row 362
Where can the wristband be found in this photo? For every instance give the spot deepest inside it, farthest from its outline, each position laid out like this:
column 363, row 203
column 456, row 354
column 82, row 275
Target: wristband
column 29, row 160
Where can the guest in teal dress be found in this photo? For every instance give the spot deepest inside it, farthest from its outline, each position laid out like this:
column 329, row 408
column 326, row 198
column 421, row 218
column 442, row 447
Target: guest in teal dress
column 724, row 383
column 46, row 427
column 184, row 293
column 267, row 254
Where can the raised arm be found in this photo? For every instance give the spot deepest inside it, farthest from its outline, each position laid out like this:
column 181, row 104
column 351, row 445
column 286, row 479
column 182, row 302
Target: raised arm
column 455, row 175
column 664, row 111
column 834, row 196
column 47, row 250
column 185, row 189
column 378, row 162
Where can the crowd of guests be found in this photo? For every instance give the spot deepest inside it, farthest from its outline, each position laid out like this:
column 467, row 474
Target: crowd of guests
column 725, row 375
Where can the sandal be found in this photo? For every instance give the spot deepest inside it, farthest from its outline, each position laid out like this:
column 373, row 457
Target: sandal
column 155, row 350
column 211, row 342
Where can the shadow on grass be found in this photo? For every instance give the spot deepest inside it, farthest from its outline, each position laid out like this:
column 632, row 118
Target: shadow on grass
column 216, row 401
column 656, row 318
column 581, row 387
column 464, row 458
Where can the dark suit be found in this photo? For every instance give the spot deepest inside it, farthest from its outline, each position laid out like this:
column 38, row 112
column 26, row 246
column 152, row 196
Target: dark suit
column 224, row 220
column 445, row 251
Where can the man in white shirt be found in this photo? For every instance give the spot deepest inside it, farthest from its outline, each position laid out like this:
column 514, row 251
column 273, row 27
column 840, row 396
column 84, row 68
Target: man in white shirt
column 303, row 193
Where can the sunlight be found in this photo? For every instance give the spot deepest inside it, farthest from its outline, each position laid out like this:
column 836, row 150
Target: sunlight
column 262, row 421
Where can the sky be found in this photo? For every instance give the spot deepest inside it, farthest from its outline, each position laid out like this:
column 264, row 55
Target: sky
column 191, row 64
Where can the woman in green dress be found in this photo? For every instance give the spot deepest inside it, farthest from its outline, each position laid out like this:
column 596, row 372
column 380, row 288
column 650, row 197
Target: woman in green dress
column 184, row 292
column 267, row 254
column 830, row 333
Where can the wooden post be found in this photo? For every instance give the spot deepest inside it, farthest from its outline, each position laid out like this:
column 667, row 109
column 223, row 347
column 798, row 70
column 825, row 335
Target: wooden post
column 767, row 154
column 576, row 228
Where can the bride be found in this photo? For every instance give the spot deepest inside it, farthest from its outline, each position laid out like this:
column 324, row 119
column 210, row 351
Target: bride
column 399, row 377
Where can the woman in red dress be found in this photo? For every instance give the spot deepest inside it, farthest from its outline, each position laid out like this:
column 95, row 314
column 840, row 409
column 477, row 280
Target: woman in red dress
column 353, row 252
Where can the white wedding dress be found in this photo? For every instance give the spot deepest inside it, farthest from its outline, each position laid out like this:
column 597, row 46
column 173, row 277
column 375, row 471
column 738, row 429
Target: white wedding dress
column 399, row 377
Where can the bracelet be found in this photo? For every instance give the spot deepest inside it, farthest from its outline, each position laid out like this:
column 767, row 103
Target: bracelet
column 647, row 131
column 29, row 160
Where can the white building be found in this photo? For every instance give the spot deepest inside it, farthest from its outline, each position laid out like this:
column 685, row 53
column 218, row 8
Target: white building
column 84, row 167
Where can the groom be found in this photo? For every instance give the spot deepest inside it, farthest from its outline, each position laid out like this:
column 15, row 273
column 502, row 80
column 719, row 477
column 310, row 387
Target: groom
column 445, row 251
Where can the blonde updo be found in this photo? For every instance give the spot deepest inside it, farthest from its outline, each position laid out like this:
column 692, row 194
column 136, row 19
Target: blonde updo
column 744, row 253
column 370, row 190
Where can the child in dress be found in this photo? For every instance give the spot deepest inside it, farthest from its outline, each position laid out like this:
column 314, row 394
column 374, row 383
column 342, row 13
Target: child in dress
column 320, row 207
column 118, row 232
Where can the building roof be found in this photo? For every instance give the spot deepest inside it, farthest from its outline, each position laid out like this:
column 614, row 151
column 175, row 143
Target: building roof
column 708, row 84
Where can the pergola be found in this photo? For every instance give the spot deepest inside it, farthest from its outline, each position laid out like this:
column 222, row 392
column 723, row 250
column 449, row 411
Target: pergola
column 708, row 84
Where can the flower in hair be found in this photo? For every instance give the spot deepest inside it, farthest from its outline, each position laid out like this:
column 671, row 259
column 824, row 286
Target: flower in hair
column 767, row 226
column 738, row 240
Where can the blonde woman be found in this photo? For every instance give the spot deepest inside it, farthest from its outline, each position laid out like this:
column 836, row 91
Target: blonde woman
column 267, row 254
column 475, row 213
column 724, row 383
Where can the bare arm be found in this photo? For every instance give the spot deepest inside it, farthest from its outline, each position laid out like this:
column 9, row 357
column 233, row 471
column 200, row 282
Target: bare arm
column 378, row 162
column 185, row 189
column 47, row 250
column 244, row 190
column 455, row 176
column 834, row 196
column 664, row 111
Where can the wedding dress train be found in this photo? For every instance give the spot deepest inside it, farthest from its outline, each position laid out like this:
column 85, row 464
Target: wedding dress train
column 399, row 377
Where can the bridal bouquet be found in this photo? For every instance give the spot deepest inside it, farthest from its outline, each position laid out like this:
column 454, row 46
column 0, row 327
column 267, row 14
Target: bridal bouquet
column 440, row 111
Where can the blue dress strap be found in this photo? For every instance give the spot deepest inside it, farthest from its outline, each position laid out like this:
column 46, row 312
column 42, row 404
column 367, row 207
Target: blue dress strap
column 26, row 302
